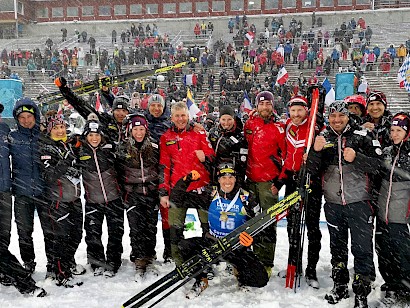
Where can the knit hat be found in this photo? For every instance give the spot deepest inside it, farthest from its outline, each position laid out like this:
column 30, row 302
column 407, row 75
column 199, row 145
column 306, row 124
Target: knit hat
column 298, row 100
column 227, row 110
column 376, row 96
column 401, row 120
column 156, row 98
column 137, row 120
column 54, row 120
column 121, row 102
column 339, row 106
column 225, row 169
column 25, row 108
column 264, row 96
column 93, row 126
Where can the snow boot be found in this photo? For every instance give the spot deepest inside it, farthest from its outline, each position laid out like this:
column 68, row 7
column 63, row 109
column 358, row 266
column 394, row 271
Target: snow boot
column 199, row 286
column 37, row 292
column 77, row 269
column 68, row 281
column 109, row 273
column 141, row 268
column 361, row 287
column 5, row 280
column 340, row 276
column 311, row 278
column 389, row 300
column 98, row 271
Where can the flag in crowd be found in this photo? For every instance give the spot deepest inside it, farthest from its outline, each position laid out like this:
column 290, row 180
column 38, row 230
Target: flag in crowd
column 250, row 36
column 403, row 75
column 98, row 105
column 188, row 80
column 330, row 92
column 193, row 109
column 283, row 76
column 246, row 105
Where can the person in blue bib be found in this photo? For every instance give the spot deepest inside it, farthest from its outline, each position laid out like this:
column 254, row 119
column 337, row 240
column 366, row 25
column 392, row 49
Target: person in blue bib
column 230, row 207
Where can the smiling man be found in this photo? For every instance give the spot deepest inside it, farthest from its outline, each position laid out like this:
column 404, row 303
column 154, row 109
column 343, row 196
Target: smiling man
column 344, row 155
column 266, row 149
column 181, row 151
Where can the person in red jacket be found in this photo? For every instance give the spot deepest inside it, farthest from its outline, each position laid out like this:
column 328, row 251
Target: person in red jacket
column 296, row 129
column 266, row 149
column 182, row 150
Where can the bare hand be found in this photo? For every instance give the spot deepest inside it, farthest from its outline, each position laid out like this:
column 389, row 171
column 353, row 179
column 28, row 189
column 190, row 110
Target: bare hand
column 320, row 142
column 369, row 126
column 349, row 154
column 164, row 201
column 198, row 127
column 201, row 155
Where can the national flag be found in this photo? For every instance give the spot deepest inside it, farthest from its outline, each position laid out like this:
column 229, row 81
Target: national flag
column 403, row 75
column 98, row 105
column 193, row 109
column 283, row 76
column 330, row 92
column 250, row 36
column 187, row 80
column 246, row 105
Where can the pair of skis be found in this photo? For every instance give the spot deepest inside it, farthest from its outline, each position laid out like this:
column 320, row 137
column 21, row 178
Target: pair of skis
column 297, row 236
column 208, row 256
column 51, row 98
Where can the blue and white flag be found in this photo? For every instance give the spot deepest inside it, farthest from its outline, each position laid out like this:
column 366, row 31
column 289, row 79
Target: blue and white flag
column 403, row 75
column 330, row 92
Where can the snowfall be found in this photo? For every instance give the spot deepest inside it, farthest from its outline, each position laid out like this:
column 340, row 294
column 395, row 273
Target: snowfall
column 222, row 292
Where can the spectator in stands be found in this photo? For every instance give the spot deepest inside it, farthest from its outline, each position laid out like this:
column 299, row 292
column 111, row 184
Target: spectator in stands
column 401, row 53
column 392, row 52
column 113, row 37
column 64, row 34
column 361, row 23
column 335, row 57
column 376, row 51
column 197, row 30
column 368, row 35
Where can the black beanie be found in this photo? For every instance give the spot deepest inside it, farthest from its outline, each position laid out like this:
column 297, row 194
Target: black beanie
column 226, row 110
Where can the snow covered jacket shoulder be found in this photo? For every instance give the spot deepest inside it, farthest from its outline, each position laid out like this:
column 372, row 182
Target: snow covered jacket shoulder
column 345, row 182
column 59, row 170
column 394, row 197
column 266, row 148
column 99, row 175
column 25, row 155
column 5, row 172
column 178, row 158
column 158, row 126
column 139, row 165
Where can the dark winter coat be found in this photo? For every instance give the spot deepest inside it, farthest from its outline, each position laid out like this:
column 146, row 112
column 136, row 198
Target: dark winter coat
column 345, row 182
column 394, row 200
column 99, row 175
column 59, row 170
column 381, row 131
column 5, row 172
column 25, row 155
column 230, row 146
column 139, row 165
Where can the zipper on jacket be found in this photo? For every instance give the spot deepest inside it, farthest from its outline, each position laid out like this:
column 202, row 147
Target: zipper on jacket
column 99, row 174
column 144, row 190
column 339, row 149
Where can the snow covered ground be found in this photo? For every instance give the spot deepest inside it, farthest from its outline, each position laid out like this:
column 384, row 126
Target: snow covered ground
column 101, row 292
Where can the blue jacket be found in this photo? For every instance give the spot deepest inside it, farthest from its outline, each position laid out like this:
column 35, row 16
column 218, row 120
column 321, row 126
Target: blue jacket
column 25, row 155
column 5, row 175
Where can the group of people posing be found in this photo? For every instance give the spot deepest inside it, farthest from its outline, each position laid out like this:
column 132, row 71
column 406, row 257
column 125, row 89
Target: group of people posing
column 146, row 161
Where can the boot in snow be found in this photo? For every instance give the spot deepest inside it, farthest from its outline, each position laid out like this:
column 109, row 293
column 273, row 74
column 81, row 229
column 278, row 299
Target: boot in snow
column 199, row 286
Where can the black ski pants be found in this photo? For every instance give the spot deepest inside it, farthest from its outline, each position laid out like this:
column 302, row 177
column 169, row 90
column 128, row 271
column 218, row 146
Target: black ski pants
column 113, row 212
column 66, row 224
column 393, row 250
column 142, row 215
column 358, row 217
column 6, row 208
column 24, row 209
column 250, row 271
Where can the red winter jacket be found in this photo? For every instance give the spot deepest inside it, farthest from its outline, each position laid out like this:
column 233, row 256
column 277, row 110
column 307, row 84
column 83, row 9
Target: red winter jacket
column 178, row 158
column 266, row 149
